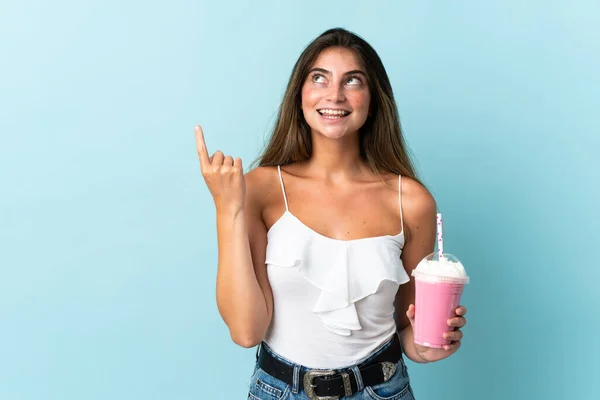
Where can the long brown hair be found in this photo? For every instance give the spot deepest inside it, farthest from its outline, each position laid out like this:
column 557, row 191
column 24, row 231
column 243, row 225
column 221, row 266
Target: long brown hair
column 382, row 144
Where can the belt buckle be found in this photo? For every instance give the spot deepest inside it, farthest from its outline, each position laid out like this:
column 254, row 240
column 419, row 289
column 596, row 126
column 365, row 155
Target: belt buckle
column 309, row 386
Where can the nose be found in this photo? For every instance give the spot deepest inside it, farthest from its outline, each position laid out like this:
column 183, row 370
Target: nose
column 336, row 94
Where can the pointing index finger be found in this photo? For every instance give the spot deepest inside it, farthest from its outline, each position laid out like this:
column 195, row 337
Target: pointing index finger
column 201, row 147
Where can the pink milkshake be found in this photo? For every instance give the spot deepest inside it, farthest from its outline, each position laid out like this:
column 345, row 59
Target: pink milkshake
column 439, row 286
column 439, row 282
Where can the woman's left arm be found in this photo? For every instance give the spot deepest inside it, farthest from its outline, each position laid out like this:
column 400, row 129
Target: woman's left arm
column 420, row 235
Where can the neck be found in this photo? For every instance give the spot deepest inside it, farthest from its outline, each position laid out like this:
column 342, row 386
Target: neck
column 335, row 158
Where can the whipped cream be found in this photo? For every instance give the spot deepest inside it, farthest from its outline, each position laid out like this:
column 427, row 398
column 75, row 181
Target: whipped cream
column 438, row 270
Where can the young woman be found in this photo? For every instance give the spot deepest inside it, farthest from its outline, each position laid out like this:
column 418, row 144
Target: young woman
column 316, row 244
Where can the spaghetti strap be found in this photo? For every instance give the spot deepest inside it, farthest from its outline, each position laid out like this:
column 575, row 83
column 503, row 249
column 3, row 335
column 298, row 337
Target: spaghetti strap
column 400, row 201
column 282, row 188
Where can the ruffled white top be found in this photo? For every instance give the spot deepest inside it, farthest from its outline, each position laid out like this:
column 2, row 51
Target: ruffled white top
column 333, row 299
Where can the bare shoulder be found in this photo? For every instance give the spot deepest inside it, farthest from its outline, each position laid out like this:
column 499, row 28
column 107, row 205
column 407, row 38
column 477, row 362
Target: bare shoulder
column 260, row 176
column 417, row 202
column 261, row 183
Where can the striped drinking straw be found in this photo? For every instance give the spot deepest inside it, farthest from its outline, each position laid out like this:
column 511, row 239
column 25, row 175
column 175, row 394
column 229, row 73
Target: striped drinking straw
column 440, row 236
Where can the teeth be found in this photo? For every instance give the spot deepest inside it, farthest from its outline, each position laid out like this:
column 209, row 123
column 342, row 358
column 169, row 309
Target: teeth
column 333, row 112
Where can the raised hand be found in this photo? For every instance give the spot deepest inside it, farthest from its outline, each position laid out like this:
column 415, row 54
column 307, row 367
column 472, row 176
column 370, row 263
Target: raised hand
column 223, row 175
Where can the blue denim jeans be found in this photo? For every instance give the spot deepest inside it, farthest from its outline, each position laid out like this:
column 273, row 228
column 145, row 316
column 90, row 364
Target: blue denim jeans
column 265, row 387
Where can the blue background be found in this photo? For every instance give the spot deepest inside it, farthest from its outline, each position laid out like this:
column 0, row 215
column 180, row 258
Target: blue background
column 107, row 238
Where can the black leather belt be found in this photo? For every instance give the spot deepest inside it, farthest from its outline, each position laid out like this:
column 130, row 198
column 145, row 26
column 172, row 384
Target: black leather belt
column 330, row 384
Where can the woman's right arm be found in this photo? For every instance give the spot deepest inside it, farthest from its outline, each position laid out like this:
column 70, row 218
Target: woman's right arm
column 244, row 296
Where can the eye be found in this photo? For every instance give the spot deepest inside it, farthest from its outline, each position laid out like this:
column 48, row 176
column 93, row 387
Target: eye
column 318, row 78
column 353, row 81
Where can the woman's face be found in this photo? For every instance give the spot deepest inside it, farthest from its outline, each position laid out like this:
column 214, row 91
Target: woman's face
column 335, row 95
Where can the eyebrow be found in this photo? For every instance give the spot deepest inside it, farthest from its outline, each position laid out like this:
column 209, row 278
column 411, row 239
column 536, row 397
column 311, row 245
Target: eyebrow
column 353, row 72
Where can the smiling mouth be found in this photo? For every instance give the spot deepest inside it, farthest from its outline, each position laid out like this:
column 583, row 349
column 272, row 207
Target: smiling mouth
column 333, row 114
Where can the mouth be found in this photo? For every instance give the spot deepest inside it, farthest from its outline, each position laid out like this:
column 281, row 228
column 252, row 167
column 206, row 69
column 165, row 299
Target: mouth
column 330, row 113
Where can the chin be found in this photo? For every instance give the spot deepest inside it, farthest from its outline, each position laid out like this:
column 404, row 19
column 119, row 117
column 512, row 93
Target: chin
column 334, row 132
column 337, row 135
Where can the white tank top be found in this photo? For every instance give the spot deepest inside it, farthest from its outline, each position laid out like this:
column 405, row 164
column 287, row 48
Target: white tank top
column 333, row 299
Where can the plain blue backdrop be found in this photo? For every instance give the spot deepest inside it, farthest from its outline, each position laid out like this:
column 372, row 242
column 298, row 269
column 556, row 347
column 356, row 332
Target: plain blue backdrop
column 107, row 232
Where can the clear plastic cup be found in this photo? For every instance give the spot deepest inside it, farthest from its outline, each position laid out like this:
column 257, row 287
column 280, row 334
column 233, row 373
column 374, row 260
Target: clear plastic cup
column 439, row 284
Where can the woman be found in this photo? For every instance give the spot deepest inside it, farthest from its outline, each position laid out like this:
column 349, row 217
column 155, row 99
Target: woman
column 317, row 244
